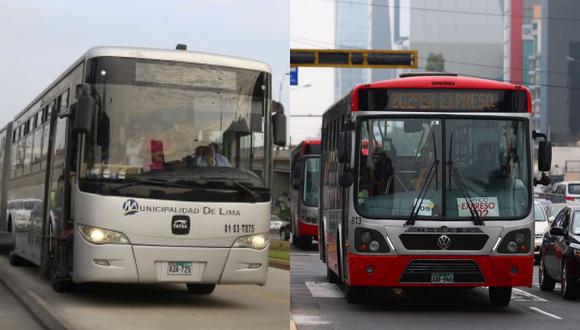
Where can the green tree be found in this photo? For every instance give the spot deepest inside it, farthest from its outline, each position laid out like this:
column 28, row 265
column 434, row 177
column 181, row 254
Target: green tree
column 435, row 62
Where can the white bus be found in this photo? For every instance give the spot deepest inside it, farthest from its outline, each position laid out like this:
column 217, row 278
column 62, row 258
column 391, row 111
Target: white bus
column 144, row 166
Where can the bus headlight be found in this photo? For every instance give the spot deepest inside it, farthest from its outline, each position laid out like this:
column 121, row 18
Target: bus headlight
column 96, row 235
column 369, row 240
column 258, row 242
column 517, row 241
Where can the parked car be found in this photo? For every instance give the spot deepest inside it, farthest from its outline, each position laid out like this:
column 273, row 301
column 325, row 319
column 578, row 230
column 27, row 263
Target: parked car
column 541, row 225
column 560, row 253
column 275, row 223
column 565, row 192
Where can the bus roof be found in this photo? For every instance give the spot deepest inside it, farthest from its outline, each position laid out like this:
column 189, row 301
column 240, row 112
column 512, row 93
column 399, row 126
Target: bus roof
column 440, row 81
column 156, row 54
column 179, row 56
column 307, row 147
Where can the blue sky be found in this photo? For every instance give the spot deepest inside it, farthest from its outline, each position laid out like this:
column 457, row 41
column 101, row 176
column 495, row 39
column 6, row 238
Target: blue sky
column 39, row 39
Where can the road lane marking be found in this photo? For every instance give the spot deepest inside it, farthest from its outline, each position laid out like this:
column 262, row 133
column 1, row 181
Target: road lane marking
column 306, row 320
column 545, row 313
column 521, row 295
column 324, row 290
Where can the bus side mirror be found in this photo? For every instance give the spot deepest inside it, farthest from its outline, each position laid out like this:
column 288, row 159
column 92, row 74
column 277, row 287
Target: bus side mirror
column 85, row 109
column 279, row 128
column 557, row 231
column 346, row 179
column 544, row 156
column 343, row 147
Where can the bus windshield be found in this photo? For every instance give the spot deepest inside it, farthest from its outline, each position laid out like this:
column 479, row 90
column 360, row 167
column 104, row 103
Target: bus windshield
column 161, row 127
column 311, row 181
column 457, row 162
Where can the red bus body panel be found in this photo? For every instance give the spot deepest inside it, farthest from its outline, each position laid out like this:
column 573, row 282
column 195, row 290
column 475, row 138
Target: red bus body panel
column 496, row 270
column 307, row 229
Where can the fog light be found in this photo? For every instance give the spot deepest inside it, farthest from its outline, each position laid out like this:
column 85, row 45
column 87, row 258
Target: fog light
column 512, row 246
column 254, row 266
column 102, row 262
column 370, row 269
column 374, row 246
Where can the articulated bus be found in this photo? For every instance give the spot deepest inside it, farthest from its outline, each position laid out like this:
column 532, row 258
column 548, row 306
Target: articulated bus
column 426, row 180
column 304, row 168
column 144, row 166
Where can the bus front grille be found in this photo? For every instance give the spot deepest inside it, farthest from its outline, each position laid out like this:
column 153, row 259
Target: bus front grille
column 458, row 241
column 464, row 271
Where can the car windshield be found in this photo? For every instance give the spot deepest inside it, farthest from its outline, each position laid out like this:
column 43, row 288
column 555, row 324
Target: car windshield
column 555, row 209
column 457, row 162
column 539, row 215
column 574, row 189
column 166, row 125
column 311, row 181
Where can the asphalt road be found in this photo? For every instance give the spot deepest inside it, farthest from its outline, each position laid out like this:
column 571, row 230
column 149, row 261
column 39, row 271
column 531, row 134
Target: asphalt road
column 167, row 306
column 316, row 304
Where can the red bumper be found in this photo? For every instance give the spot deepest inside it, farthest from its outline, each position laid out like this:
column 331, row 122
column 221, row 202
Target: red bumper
column 388, row 270
column 307, row 229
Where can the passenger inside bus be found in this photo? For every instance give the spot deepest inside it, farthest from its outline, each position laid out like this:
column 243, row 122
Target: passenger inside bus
column 210, row 158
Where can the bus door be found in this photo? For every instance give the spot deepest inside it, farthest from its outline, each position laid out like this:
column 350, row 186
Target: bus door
column 57, row 227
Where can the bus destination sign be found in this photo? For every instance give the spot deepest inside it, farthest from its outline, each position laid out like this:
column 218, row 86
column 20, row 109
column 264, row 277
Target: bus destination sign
column 444, row 100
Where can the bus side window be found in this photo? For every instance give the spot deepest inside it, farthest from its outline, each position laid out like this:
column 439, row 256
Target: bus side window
column 44, row 149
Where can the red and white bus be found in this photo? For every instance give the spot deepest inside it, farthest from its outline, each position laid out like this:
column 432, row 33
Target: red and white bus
column 427, row 180
column 305, row 172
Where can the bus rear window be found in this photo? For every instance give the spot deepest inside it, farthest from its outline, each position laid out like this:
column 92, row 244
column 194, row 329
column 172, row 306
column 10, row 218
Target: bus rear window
column 574, row 189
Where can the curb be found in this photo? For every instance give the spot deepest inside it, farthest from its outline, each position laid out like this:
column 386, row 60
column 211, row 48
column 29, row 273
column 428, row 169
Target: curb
column 37, row 306
column 279, row 264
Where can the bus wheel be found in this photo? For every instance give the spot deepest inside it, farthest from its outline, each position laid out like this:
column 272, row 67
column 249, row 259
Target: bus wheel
column 305, row 242
column 200, row 288
column 331, row 276
column 15, row 260
column 354, row 294
column 547, row 283
column 61, row 285
column 500, row 295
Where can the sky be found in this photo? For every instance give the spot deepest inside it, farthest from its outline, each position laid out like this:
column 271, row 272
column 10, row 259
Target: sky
column 39, row 39
column 310, row 20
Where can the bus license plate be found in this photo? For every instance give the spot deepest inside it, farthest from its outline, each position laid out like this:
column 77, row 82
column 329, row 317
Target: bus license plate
column 179, row 268
column 441, row 278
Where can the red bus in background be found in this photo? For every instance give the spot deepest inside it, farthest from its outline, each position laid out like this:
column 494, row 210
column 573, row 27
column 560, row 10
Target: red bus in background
column 304, row 192
column 427, row 180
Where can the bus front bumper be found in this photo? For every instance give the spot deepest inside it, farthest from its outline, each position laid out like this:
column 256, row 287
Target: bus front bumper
column 307, row 229
column 404, row 270
column 115, row 263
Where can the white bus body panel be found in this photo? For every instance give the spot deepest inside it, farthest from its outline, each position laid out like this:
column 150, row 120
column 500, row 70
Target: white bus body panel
column 152, row 243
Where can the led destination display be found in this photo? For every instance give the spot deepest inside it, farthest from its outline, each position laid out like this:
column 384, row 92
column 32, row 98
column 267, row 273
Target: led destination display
column 446, row 100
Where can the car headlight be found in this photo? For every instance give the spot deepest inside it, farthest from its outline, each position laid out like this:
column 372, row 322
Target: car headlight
column 258, row 241
column 102, row 236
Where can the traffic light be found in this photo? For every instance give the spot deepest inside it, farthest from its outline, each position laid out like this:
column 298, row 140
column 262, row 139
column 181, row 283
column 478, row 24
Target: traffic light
column 353, row 58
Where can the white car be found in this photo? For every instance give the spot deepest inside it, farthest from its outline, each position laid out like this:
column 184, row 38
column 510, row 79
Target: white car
column 566, row 192
column 541, row 225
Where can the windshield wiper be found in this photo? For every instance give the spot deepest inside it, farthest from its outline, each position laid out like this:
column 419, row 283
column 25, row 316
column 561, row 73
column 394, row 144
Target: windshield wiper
column 425, row 187
column 255, row 195
column 462, row 187
column 151, row 181
column 422, row 193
